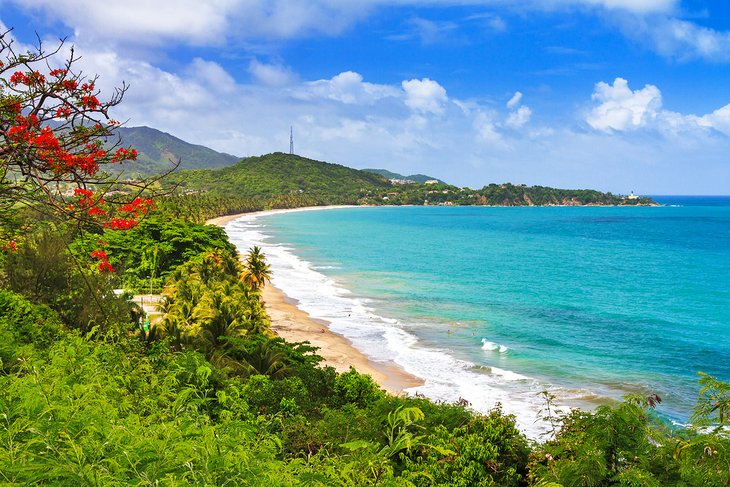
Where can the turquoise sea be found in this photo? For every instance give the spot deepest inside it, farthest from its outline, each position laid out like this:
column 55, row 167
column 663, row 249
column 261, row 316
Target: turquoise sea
column 494, row 305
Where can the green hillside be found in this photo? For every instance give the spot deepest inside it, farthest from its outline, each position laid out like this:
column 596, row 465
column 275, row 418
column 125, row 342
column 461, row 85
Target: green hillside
column 284, row 175
column 159, row 151
column 284, row 181
column 521, row 195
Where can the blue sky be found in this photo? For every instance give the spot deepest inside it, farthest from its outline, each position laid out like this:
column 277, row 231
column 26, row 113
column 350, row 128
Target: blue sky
column 618, row 95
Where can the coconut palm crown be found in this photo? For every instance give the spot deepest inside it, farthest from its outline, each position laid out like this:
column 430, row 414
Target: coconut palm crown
column 256, row 271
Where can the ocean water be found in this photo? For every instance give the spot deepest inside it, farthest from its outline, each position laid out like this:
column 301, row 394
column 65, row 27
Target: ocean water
column 495, row 305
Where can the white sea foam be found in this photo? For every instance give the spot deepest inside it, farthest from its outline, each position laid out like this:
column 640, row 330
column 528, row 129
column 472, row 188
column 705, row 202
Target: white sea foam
column 493, row 347
column 386, row 339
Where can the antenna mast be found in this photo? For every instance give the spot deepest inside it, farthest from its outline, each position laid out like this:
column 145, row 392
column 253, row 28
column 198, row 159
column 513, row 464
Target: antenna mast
column 291, row 139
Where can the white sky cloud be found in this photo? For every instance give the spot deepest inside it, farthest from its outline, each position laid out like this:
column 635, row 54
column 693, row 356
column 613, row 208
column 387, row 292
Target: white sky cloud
column 519, row 117
column 620, row 108
column 425, row 95
column 676, row 38
column 214, row 21
column 515, row 100
column 347, row 87
column 718, row 120
column 638, row 6
column 270, row 74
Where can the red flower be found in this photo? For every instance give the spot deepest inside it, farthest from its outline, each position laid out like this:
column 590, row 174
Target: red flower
column 95, row 210
column 105, row 266
column 19, row 77
column 121, row 223
column 63, row 112
column 83, row 191
column 99, row 254
column 9, row 246
column 70, row 84
column 89, row 102
column 124, row 154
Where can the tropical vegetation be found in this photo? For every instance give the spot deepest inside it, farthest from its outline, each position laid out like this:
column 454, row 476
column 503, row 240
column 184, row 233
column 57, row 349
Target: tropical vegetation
column 206, row 393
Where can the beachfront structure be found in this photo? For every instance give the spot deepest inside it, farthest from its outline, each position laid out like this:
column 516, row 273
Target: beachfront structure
column 401, row 181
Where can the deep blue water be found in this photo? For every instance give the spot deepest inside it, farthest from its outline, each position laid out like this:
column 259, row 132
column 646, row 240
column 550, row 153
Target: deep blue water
column 591, row 302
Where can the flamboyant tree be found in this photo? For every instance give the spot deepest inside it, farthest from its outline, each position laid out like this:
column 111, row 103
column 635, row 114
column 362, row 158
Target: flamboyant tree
column 56, row 140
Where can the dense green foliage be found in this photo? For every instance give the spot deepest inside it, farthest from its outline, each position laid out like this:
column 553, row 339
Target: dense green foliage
column 46, row 271
column 146, row 255
column 622, row 445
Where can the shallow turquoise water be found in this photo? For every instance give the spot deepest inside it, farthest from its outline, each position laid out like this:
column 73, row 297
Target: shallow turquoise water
column 603, row 301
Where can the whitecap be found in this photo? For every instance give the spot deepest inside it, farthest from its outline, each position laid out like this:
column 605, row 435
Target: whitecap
column 493, row 347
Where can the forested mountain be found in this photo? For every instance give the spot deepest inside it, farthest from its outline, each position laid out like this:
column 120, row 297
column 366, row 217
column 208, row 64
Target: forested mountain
column 285, row 175
column 158, row 152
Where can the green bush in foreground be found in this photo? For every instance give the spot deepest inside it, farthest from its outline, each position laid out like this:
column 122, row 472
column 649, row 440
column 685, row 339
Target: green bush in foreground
column 209, row 396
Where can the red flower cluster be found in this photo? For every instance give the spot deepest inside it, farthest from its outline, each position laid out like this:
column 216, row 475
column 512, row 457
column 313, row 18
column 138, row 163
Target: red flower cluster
column 89, row 102
column 137, row 207
column 10, row 246
column 99, row 254
column 49, row 149
column 86, row 200
column 124, row 154
column 63, row 112
column 19, row 77
column 30, row 78
column 121, row 223
column 104, row 265
column 69, row 84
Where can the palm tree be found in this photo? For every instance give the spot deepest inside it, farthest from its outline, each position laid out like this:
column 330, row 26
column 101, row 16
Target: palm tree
column 219, row 316
column 256, row 271
column 265, row 359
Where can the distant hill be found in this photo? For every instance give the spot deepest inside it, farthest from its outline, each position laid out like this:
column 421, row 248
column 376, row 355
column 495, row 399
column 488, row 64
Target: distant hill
column 280, row 175
column 285, row 180
column 521, row 195
column 419, row 178
column 159, row 151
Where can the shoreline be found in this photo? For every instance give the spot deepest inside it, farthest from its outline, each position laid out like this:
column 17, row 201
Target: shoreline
column 295, row 325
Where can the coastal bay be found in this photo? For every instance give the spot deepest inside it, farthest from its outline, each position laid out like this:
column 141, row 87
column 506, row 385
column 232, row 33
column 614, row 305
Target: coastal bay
column 458, row 308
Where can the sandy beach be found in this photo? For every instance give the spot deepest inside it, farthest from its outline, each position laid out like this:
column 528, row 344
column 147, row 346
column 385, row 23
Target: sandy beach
column 294, row 325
